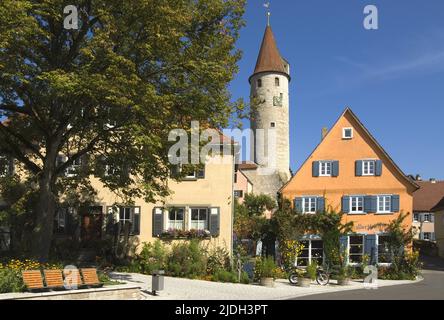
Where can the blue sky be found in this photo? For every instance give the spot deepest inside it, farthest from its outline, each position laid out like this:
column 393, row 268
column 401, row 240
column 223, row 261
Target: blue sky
column 392, row 78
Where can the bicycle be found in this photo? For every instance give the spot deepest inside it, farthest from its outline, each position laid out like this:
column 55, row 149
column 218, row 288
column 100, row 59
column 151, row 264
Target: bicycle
column 322, row 276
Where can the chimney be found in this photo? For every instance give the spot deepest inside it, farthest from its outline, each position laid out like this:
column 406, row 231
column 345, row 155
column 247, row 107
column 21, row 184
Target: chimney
column 432, row 180
column 418, row 177
column 324, row 133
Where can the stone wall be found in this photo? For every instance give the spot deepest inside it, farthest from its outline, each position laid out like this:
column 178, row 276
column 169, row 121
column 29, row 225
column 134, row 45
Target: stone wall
column 115, row 292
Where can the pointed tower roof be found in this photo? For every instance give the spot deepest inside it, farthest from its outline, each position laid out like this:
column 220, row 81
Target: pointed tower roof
column 269, row 58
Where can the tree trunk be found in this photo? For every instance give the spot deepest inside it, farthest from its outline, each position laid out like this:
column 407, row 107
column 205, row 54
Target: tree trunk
column 44, row 222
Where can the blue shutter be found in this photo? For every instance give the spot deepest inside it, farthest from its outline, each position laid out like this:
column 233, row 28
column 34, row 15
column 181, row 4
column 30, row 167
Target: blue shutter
column 11, row 166
column 358, row 168
column 315, row 168
column 298, row 205
column 320, row 204
column 370, row 248
column 157, row 221
column 432, row 237
column 201, row 173
column 343, row 242
column 367, row 204
column 214, row 221
column 335, row 169
column 370, row 203
column 135, row 226
column 110, row 221
column 421, row 235
column 378, row 168
column 432, row 217
column 395, row 203
column 345, row 204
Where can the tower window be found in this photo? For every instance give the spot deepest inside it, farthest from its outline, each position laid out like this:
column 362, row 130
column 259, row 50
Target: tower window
column 276, row 82
column 259, row 83
column 272, row 124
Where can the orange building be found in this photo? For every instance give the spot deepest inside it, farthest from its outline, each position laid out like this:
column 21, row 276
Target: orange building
column 350, row 172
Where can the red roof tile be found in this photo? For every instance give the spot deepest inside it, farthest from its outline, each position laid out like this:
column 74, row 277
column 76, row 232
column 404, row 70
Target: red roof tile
column 269, row 58
column 428, row 195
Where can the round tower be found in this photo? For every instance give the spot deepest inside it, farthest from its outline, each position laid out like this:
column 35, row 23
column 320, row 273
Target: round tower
column 269, row 98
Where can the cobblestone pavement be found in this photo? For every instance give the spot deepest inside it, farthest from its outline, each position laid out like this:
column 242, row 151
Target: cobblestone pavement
column 186, row 289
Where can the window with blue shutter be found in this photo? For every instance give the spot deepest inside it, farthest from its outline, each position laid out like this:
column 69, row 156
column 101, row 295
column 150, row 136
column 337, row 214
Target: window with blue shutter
column 335, row 169
column 298, row 205
column 315, row 168
column 378, row 168
column 395, row 203
column 358, row 168
column 370, row 247
column 345, row 204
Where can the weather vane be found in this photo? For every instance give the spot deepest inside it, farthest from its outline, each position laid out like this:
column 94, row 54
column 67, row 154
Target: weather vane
column 267, row 5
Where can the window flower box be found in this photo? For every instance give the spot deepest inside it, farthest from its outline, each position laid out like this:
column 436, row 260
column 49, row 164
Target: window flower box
column 185, row 234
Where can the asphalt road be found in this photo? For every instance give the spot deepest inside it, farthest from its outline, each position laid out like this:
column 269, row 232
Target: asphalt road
column 431, row 288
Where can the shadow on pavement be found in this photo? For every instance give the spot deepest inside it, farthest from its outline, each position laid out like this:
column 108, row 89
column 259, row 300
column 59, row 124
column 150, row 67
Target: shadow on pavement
column 432, row 263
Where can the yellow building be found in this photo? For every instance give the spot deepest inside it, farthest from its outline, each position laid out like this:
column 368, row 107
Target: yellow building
column 350, row 172
column 199, row 206
column 439, row 226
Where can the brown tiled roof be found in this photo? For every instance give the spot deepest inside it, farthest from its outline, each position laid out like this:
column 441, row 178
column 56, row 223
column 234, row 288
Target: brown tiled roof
column 269, row 58
column 439, row 206
column 428, row 195
column 247, row 165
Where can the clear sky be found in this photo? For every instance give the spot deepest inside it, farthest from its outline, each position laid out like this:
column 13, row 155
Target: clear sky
column 392, row 78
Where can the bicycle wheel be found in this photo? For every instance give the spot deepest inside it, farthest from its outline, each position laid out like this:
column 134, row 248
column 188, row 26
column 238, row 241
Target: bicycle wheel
column 293, row 278
column 322, row 278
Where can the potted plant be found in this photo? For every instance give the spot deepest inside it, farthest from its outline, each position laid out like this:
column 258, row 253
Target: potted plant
column 343, row 276
column 265, row 269
column 307, row 275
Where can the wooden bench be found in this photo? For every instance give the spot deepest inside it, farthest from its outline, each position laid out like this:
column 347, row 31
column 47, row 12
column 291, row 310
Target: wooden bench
column 90, row 277
column 33, row 280
column 73, row 278
column 54, row 279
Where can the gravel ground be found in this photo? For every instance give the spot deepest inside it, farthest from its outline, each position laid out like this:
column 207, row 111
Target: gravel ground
column 186, row 289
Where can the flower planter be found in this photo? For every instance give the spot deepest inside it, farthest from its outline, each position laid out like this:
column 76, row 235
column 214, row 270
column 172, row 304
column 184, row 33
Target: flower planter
column 267, row 282
column 303, row 282
column 344, row 282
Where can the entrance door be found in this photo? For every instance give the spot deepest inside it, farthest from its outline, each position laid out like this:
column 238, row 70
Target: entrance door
column 92, row 221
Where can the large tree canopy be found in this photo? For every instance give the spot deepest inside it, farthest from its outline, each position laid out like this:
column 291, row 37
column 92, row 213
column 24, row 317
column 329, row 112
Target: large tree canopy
column 112, row 89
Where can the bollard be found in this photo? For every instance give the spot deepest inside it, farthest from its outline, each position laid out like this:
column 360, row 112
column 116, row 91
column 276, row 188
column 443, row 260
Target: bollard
column 157, row 281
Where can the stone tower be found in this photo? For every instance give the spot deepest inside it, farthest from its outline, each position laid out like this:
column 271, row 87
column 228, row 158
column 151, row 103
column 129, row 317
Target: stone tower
column 270, row 100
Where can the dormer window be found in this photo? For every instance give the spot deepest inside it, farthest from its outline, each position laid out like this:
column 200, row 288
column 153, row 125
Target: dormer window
column 276, row 82
column 259, row 83
column 347, row 133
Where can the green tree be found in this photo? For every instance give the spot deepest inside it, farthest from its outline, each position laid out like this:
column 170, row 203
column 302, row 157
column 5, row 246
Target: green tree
column 250, row 221
column 111, row 90
column 399, row 237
